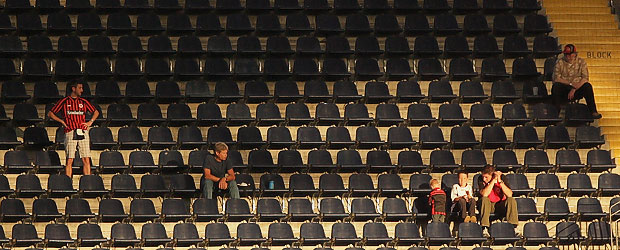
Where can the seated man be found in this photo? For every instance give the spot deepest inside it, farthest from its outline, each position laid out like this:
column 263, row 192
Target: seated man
column 217, row 169
column 496, row 196
column 571, row 81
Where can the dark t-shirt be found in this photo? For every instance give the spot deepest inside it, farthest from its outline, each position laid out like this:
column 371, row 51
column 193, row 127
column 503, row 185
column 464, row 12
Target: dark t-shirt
column 218, row 169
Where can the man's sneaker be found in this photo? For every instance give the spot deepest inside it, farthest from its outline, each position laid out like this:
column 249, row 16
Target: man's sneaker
column 596, row 115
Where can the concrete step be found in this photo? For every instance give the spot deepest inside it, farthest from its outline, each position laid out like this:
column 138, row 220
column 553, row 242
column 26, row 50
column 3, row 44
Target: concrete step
column 603, row 61
column 575, row 3
column 581, row 17
column 604, row 76
column 571, row 24
column 578, row 10
column 589, row 40
column 588, row 32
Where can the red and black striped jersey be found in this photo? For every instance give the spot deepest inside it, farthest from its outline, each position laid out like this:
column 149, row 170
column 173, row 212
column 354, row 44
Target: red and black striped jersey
column 73, row 111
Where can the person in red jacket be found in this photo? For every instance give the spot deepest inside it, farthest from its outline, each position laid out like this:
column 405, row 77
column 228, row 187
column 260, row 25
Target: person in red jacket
column 437, row 201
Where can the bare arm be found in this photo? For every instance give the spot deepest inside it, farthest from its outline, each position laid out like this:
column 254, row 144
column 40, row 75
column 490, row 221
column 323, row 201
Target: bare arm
column 507, row 191
column 488, row 189
column 95, row 115
column 56, row 118
column 209, row 176
column 231, row 175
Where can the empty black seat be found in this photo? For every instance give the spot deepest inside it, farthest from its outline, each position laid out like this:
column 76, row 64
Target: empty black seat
column 416, row 24
column 470, row 234
column 426, row 46
column 430, row 69
column 525, row 137
column 557, row 137
column 485, row 46
column 249, row 234
column 356, row 114
column 547, row 185
column 237, row 24
column 431, row 138
column 445, row 24
column 494, row 137
column 599, row 160
column 344, row 234
column 463, row 137
column 475, row 24
column 387, row 115
column 440, row 91
column 450, row 115
column 438, row 233
column 514, row 114
column 502, row 233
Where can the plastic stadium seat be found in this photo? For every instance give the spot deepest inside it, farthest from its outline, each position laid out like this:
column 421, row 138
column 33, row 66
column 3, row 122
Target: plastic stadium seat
column 442, row 160
column 568, row 160
column 599, row 233
column 547, row 185
column 473, row 160
column 463, row 137
column 356, row 114
column 494, row 137
column 186, row 234
column 525, row 6
column 589, row 209
column 149, row 24
column 286, row 91
column 456, row 46
column 8, row 138
column 256, row 92
column 57, row 235
column 344, row 234
column 576, row 114
column 470, row 234
column 177, row 114
column 410, row 161
column 36, row 138
column 535, row 233
column 179, row 24
column 504, row 25
column 123, row 185
column 300, row 185
column 24, row 235
column 206, row 209
column 281, row 6
column 268, row 24
column 599, row 160
column 408, row 91
column 249, row 234
column 471, row 92
column 486, row 46
column 138, row 6
column 387, row 115
column 375, row 234
column 438, row 233
column 557, row 137
column 407, row 234
column 217, row 234
column 514, row 114
column 29, row 23
column 301, row 210
column 361, row 185
column 327, row 25
column 149, row 114
column 430, row 69
column 141, row 161
column 446, row 24
column 331, row 184
column 320, row 160
column 350, row 161
column 525, row 137
column 130, row 45
column 426, row 46
column 568, row 233
column 298, row 114
column 142, row 210
column 298, row 24
column 173, row 210
column 89, row 235
column 290, row 161
column 157, row 68
column 281, row 234
column 190, row 138
column 431, row 138
column 416, row 24
column 261, row 160
column 475, row 24
column 312, row 234
column 502, row 233
column 77, row 210
column 440, row 91
column 269, row 210
column 527, row 209
column 515, row 46
column 278, row 190
column 493, row 69
column 123, row 235
column 357, row 24
column 450, row 115
column 88, row 24
column 119, row 24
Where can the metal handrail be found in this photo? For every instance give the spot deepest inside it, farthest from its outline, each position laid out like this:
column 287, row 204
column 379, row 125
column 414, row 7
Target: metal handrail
column 615, row 240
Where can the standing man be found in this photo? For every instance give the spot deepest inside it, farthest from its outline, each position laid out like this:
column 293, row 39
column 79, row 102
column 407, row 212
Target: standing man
column 73, row 109
column 218, row 169
column 571, row 81
column 496, row 196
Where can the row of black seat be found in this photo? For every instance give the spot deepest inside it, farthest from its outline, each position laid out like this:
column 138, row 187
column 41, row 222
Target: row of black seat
column 278, row 46
column 257, row 6
column 285, row 91
column 101, row 138
column 312, row 234
column 269, row 24
column 359, row 185
column 272, row 69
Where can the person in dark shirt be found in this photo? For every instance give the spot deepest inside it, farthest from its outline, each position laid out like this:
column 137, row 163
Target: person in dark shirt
column 496, row 196
column 218, row 169
column 437, row 201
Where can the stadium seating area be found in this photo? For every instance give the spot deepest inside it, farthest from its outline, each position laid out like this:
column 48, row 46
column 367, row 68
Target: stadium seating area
column 349, row 107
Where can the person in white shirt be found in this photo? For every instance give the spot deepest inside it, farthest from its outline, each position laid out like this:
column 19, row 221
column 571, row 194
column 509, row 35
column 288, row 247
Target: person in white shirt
column 462, row 200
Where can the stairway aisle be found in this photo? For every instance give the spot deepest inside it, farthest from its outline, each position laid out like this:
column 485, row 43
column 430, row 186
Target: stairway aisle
column 590, row 25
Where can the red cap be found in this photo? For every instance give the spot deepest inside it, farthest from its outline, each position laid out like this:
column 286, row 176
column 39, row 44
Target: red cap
column 569, row 49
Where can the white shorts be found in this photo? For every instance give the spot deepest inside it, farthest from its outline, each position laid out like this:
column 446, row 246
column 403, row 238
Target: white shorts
column 72, row 145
